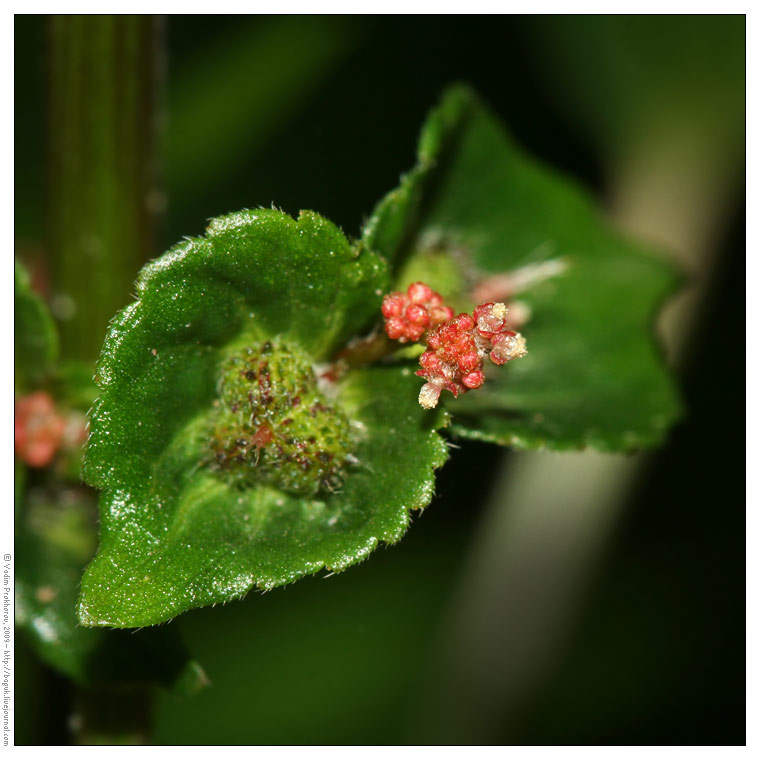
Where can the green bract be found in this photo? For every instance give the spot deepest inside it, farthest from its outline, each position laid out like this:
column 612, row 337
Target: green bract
column 261, row 302
column 273, row 424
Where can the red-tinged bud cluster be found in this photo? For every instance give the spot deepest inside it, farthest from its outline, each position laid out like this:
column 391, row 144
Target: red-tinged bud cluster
column 491, row 322
column 457, row 346
column 457, row 349
column 39, row 429
column 409, row 315
column 454, row 347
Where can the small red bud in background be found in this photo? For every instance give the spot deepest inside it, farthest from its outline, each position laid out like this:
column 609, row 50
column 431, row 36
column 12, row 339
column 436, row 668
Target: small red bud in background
column 39, row 429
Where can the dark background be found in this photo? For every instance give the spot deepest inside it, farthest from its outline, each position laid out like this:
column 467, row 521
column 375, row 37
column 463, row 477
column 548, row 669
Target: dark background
column 323, row 113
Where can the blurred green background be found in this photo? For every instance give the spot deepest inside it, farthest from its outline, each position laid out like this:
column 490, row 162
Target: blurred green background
column 322, row 113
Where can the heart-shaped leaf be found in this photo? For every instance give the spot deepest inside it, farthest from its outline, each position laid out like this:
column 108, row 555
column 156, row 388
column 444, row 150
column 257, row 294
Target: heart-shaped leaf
column 475, row 207
column 229, row 458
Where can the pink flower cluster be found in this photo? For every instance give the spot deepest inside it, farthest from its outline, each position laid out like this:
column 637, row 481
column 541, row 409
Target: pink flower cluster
column 457, row 346
column 408, row 315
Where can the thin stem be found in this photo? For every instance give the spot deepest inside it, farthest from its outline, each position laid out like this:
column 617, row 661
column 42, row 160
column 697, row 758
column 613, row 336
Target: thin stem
column 362, row 351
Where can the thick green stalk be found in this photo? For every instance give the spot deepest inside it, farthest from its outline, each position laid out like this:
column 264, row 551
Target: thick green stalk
column 102, row 204
column 101, row 192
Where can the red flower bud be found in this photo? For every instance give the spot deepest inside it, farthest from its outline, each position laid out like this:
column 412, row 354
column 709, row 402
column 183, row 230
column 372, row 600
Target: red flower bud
column 394, row 327
column 473, row 380
column 418, row 292
column 440, row 314
column 469, row 362
column 393, row 305
column 463, row 322
column 417, row 315
column 413, row 333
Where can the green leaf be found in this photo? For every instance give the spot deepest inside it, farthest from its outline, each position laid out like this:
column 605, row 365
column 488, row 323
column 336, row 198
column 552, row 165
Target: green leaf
column 35, row 336
column 221, row 347
column 594, row 375
column 55, row 538
column 397, row 217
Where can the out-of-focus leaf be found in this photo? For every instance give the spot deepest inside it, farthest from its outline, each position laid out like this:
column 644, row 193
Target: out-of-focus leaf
column 35, row 336
column 250, row 308
column 75, row 387
column 55, row 538
column 634, row 80
column 238, row 91
column 593, row 376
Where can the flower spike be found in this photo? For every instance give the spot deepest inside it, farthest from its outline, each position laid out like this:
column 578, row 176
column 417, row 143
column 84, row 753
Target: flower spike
column 457, row 346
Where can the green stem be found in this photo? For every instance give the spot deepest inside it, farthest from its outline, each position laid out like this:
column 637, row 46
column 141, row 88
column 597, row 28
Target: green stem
column 101, row 192
column 362, row 351
column 102, row 206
